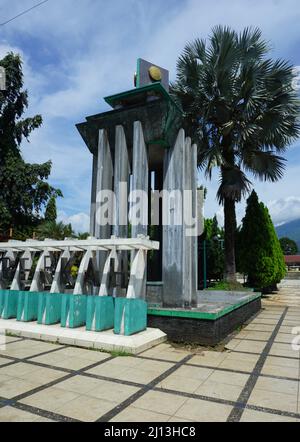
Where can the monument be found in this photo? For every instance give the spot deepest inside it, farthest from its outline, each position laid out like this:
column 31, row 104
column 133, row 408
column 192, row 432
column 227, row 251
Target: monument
column 140, row 146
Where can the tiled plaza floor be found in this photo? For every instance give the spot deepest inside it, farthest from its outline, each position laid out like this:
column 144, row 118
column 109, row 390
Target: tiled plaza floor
column 255, row 379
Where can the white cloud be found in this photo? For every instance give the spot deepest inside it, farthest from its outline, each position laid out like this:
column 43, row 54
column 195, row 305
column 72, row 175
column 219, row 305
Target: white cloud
column 285, row 209
column 80, row 221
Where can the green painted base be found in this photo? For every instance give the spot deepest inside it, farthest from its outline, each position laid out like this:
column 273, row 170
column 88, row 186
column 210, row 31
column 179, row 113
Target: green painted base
column 130, row 316
column 27, row 306
column 100, row 313
column 8, row 304
column 73, row 311
column 49, row 308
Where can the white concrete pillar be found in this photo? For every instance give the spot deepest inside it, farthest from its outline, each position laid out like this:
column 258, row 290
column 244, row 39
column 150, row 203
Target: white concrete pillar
column 140, row 179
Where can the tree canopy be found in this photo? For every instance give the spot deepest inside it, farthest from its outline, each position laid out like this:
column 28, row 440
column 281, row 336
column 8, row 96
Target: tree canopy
column 24, row 189
column 288, row 246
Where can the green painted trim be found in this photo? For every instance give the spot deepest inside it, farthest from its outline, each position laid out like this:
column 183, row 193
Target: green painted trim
column 200, row 315
column 157, row 87
column 159, row 143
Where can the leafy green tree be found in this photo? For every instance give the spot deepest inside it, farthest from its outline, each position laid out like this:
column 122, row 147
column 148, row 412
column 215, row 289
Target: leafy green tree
column 288, row 246
column 259, row 253
column 215, row 252
column 23, row 187
column 53, row 230
column 214, row 239
column 51, row 211
column 241, row 109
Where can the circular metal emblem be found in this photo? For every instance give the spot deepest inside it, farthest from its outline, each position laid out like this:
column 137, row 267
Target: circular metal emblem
column 155, row 73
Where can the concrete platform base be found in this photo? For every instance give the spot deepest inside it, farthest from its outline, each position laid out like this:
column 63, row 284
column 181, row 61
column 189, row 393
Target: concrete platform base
column 216, row 316
column 79, row 337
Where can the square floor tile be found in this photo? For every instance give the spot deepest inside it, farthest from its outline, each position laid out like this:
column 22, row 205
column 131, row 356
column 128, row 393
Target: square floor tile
column 160, row 402
column 134, row 414
column 60, row 361
column 86, row 408
column 284, row 350
column 42, row 376
column 281, row 371
column 20, row 353
column 197, row 373
column 79, row 384
column 108, row 370
column 258, row 416
column 50, row 399
column 282, row 362
column 203, row 411
column 224, row 377
column 15, row 387
column 278, row 385
column 219, row 391
column 251, row 346
column 18, row 369
column 180, row 383
column 273, row 400
column 259, row 327
column 208, row 358
column 258, row 336
column 10, row 414
column 112, row 391
column 284, row 338
column 138, row 375
column 238, row 365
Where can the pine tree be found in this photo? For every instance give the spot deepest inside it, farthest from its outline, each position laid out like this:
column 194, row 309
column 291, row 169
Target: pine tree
column 259, row 253
column 51, row 212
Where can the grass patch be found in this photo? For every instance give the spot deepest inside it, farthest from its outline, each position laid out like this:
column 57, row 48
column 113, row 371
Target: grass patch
column 229, row 287
column 119, row 354
column 12, row 335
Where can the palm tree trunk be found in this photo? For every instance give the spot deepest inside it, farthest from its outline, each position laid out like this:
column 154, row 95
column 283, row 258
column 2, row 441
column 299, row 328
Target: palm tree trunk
column 230, row 232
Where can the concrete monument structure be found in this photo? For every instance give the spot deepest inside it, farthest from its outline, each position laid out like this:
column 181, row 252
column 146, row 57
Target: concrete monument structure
column 141, row 144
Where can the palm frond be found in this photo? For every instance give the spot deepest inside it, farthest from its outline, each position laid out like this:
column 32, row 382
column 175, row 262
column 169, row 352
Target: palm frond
column 264, row 165
column 234, row 185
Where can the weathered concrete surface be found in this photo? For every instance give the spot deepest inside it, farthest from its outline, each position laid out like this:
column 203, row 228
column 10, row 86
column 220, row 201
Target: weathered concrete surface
column 179, row 248
column 106, row 340
column 140, row 178
column 105, row 171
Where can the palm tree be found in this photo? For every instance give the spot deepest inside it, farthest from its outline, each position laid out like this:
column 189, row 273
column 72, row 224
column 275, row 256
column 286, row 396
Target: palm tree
column 241, row 109
column 53, row 230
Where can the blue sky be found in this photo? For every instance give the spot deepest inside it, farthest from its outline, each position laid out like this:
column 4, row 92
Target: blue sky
column 76, row 52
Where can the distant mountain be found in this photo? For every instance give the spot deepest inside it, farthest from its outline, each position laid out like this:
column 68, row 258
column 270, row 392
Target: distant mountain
column 290, row 230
